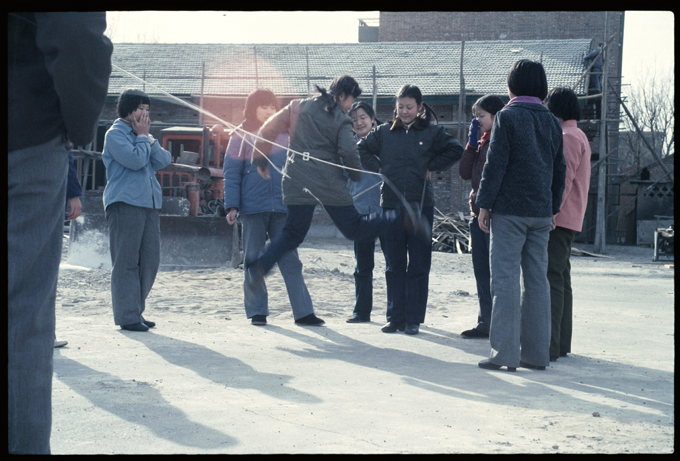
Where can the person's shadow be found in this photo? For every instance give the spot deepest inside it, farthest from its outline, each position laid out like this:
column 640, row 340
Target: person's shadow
column 137, row 402
column 221, row 369
column 575, row 377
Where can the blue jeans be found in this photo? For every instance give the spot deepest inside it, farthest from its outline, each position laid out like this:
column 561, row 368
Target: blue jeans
column 36, row 193
column 520, row 319
column 408, row 258
column 480, row 263
column 352, row 225
column 256, row 228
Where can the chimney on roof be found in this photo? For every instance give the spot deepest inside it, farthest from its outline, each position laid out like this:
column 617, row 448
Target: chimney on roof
column 368, row 30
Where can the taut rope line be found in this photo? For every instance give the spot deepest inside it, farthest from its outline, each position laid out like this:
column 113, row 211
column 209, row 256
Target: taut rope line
column 304, row 155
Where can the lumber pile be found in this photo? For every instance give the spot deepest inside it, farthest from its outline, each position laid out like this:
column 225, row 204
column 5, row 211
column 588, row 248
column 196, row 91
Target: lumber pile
column 450, row 233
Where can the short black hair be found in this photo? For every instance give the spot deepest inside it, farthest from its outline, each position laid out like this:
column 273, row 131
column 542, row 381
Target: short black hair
column 258, row 98
column 490, row 103
column 527, row 78
column 563, row 103
column 129, row 100
column 362, row 105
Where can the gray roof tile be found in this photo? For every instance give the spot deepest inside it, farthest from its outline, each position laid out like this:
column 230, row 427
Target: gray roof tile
column 236, row 70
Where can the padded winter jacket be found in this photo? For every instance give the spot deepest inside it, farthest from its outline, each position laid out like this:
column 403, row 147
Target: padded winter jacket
column 58, row 68
column 244, row 188
column 405, row 156
column 130, row 162
column 525, row 169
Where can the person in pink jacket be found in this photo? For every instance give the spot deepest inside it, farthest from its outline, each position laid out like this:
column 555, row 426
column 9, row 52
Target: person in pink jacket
column 563, row 103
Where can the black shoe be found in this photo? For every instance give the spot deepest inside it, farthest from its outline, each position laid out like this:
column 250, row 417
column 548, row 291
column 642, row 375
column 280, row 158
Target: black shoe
column 474, row 333
column 411, row 328
column 60, row 343
column 258, row 320
column 148, row 323
column 553, row 358
column 393, row 327
column 489, row 365
column 563, row 354
column 253, row 278
column 528, row 365
column 310, row 319
column 357, row 319
column 139, row 326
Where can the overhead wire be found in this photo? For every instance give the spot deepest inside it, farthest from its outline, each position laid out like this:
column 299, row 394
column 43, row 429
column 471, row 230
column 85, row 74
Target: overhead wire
column 305, row 155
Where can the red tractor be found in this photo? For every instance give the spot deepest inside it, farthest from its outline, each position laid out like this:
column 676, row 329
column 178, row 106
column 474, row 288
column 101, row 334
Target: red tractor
column 194, row 231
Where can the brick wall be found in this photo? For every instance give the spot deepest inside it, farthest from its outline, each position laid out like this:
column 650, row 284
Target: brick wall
column 424, row 26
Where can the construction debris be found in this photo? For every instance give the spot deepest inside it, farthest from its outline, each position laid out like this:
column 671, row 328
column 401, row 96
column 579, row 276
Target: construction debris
column 577, row 252
column 450, row 233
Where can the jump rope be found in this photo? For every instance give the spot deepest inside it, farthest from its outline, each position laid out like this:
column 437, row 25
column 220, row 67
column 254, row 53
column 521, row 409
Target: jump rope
column 247, row 136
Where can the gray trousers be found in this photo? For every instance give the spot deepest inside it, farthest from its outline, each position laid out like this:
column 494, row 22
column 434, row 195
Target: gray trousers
column 520, row 317
column 256, row 228
column 135, row 244
column 36, row 194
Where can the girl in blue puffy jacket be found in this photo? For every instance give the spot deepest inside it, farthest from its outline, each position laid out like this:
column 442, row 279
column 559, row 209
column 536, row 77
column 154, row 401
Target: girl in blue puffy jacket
column 258, row 204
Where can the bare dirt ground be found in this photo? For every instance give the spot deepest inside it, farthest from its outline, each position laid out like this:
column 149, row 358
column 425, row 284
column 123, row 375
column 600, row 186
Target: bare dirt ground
column 207, row 381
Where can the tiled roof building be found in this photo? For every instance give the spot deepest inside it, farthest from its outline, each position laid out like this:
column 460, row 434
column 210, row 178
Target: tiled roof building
column 293, row 70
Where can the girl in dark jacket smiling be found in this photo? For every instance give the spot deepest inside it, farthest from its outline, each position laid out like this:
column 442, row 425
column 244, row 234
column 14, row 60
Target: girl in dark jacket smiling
column 408, row 150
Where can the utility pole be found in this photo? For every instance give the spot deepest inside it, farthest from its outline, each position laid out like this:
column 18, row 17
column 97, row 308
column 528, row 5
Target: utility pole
column 461, row 96
column 375, row 91
column 601, row 213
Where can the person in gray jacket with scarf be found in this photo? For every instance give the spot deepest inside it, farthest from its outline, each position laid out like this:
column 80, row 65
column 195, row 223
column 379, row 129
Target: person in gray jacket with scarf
column 520, row 191
column 321, row 145
column 406, row 152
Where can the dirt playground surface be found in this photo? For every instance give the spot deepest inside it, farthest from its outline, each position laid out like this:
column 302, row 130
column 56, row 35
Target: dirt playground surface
column 206, row 381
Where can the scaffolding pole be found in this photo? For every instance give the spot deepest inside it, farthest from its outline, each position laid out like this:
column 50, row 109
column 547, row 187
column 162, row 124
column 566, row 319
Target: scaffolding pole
column 601, row 213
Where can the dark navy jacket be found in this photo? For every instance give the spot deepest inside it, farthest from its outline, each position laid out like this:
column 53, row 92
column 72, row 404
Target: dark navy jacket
column 73, row 188
column 525, row 168
column 405, row 156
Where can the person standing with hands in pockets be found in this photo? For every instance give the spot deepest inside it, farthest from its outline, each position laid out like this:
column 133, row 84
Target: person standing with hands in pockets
column 470, row 168
column 522, row 184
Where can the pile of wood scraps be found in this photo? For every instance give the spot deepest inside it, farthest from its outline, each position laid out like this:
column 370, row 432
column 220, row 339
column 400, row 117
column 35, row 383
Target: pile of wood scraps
column 577, row 252
column 450, row 233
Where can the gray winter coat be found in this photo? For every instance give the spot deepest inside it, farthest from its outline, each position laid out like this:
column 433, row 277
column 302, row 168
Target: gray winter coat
column 316, row 134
